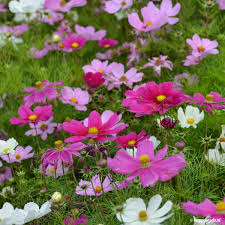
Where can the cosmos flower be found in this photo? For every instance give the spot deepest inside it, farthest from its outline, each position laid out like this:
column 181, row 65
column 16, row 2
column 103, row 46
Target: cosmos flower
column 70, row 221
column 28, row 116
column 50, row 17
column 95, row 129
column 191, row 117
column 115, row 5
column 206, row 208
column 215, row 157
column 75, row 97
column 149, row 166
column 2, row 5
column 93, row 80
column 168, row 123
column 8, row 147
column 107, row 43
column 191, row 60
column 43, row 91
column 136, row 212
column 5, row 173
column 97, row 186
column 74, row 42
column 221, row 4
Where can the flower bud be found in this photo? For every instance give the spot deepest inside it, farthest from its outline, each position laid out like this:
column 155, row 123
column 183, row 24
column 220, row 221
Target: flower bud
column 56, row 38
column 180, row 144
column 119, row 208
column 56, row 197
column 102, row 163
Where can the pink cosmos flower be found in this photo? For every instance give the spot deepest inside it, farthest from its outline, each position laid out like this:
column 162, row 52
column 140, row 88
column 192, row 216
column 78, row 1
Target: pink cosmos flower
column 191, row 60
column 158, row 63
column 146, row 164
column 44, row 90
column 202, row 47
column 89, row 33
column 63, row 5
column 42, row 128
column 2, row 98
column 131, row 140
column 14, row 31
column 115, row 5
column 50, row 17
column 152, row 16
column 151, row 98
column 75, row 97
column 212, row 100
column 221, row 4
column 170, row 11
column 118, row 76
column 93, row 80
column 97, row 128
column 61, row 152
column 96, row 186
column 74, row 42
column 106, row 55
column 207, row 208
column 5, row 173
column 28, row 116
column 70, row 221
column 97, row 66
column 2, row 5
column 53, row 171
column 107, row 43
column 19, row 155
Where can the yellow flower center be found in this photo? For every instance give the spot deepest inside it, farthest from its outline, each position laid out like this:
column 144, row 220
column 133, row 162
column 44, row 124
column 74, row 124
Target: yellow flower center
column 59, row 145
column 6, row 150
column 106, row 45
column 18, row 157
column 93, row 130
column 148, row 24
column 221, row 139
column 123, row 3
column 201, row 48
column 8, row 34
column 158, row 62
column 61, row 45
column 75, row 45
column 0, row 220
column 220, row 207
column 101, row 71
column 141, row 97
column 123, row 78
column 52, row 170
column 144, row 161
column 143, row 215
column 131, row 142
column 190, row 120
column 98, row 189
column 39, row 85
column 63, row 3
column 67, row 119
column 209, row 98
column 32, row 117
column 160, row 98
column 74, row 100
column 43, row 126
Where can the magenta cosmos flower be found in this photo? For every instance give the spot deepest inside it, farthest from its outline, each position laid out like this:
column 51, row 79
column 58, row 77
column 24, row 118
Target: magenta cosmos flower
column 202, row 47
column 207, row 208
column 74, row 42
column 221, row 4
column 42, row 128
column 158, row 63
column 170, row 11
column 96, row 128
column 2, row 5
column 96, row 186
column 19, row 155
column 152, row 16
column 75, row 97
column 115, row 5
column 61, row 152
column 89, row 33
column 44, row 90
column 212, row 100
column 63, row 5
column 131, row 140
column 151, row 98
column 93, row 80
column 28, row 116
column 149, row 166
column 118, row 76
column 107, row 43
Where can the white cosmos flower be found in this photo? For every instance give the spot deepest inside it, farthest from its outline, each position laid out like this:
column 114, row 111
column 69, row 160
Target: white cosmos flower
column 215, row 157
column 33, row 211
column 9, row 215
column 221, row 139
column 6, row 191
column 7, row 147
column 191, row 117
column 153, row 139
column 136, row 213
column 206, row 221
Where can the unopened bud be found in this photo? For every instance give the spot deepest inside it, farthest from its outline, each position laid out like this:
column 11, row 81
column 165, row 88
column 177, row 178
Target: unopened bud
column 56, row 197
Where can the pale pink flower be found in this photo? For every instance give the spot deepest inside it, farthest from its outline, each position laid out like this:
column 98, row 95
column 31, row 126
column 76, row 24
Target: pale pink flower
column 75, row 97
column 50, row 17
column 2, row 5
column 115, row 5
column 5, row 173
column 158, row 63
column 43, row 128
column 221, row 4
column 191, row 60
